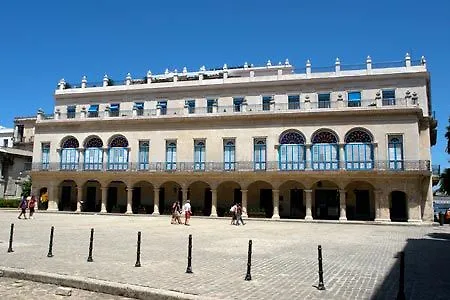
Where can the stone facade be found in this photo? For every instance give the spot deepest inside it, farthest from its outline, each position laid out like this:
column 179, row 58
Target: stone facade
column 341, row 143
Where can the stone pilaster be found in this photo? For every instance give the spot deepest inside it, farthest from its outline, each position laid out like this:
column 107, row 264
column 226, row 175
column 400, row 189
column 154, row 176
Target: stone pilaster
column 308, row 200
column 214, row 203
column 381, row 207
column 104, row 198
column 156, row 202
column 276, row 204
column 79, row 197
column 129, row 201
column 342, row 205
column 244, row 203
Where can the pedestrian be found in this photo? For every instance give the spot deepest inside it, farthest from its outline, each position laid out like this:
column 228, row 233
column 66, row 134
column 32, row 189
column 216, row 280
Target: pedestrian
column 23, row 207
column 178, row 213
column 239, row 214
column 31, row 206
column 233, row 213
column 174, row 212
column 187, row 212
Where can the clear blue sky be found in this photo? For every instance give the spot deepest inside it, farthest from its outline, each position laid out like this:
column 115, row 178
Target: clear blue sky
column 44, row 41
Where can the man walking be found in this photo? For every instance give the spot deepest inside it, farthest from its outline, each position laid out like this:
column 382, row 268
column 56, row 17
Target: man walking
column 23, row 207
column 239, row 214
column 187, row 212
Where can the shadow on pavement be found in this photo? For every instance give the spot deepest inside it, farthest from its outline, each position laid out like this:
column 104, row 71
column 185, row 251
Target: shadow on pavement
column 427, row 270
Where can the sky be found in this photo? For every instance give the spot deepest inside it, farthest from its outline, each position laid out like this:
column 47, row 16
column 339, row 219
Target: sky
column 44, row 41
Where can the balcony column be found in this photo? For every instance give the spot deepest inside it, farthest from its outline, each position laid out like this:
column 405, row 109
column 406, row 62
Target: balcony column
column 244, row 105
column 341, row 156
column 83, row 113
column 158, row 109
column 244, row 203
column 214, row 203
column 307, row 104
column 272, row 104
column 53, row 198
column 80, row 163
column 308, row 204
column 276, row 203
column 79, row 197
column 381, row 207
column 57, row 114
column 215, row 107
column 156, row 202
column 342, row 205
column 105, row 159
column 104, row 198
column 308, row 157
column 129, row 201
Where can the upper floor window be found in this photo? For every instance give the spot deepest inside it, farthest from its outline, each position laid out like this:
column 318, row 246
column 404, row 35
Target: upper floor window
column 5, row 143
column 71, row 111
column 190, row 106
column 259, row 154
column 209, row 105
column 118, row 153
column 325, row 151
column 171, row 155
column 139, row 106
column 93, row 111
column 293, row 102
column 45, row 155
column 114, row 110
column 324, row 100
column 354, row 99
column 237, row 104
column 291, row 151
column 20, row 130
column 395, row 152
column 199, row 155
column 69, row 154
column 162, row 106
column 358, row 150
column 388, row 97
column 93, row 154
column 229, row 155
column 144, row 147
column 266, row 102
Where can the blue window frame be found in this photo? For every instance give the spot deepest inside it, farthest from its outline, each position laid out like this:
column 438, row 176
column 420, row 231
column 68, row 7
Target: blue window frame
column 144, row 147
column 163, row 107
column 209, row 105
column 114, row 110
column 71, row 111
column 325, row 156
column 237, row 104
column 139, row 106
column 354, row 99
column 266, row 102
column 395, row 152
column 294, row 102
column 358, row 156
column 69, row 159
column 118, row 154
column 93, row 158
column 324, row 100
column 93, row 111
column 229, row 155
column 291, row 157
column 259, row 154
column 171, row 155
column 190, row 106
column 388, row 97
column 45, row 156
column 199, row 155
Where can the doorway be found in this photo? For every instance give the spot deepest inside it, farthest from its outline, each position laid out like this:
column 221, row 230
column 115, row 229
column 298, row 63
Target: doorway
column 327, row 205
column 91, row 199
column 297, row 210
column 265, row 198
column 362, row 205
column 65, row 203
column 399, row 207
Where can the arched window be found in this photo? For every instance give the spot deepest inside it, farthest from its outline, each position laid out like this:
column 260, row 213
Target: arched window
column 291, row 151
column 93, row 154
column 171, row 155
column 325, row 151
column 229, row 155
column 358, row 150
column 259, row 154
column 395, row 153
column 69, row 154
column 118, row 154
column 199, row 155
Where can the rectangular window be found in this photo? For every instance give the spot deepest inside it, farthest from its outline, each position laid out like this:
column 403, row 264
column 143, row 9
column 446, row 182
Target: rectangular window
column 93, row 158
column 45, row 156
column 144, row 147
column 199, row 155
column 291, row 157
column 259, row 154
column 354, row 99
column 358, row 156
column 294, row 102
column 93, row 111
column 395, row 152
column 5, row 143
column 325, row 156
column 266, row 102
column 209, row 105
column 190, row 106
column 139, row 106
column 229, row 155
column 71, row 111
column 69, row 159
column 162, row 106
column 388, row 97
column 237, row 104
column 118, row 158
column 171, row 155
column 324, row 100
column 114, row 110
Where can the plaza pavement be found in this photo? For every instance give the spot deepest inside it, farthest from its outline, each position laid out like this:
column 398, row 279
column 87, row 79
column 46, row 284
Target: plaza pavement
column 359, row 260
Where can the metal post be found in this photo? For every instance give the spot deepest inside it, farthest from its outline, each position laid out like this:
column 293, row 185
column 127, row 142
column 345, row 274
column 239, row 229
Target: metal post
column 441, row 219
column 189, row 266
column 91, row 242
column 321, row 286
column 248, row 276
column 10, row 249
column 50, row 245
column 138, row 251
column 401, row 279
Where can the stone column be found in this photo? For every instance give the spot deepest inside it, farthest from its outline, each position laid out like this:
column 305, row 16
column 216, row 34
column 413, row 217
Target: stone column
column 276, row 203
column 129, row 201
column 381, row 207
column 244, row 203
column 341, row 156
column 342, row 205
column 156, row 202
column 214, row 203
column 53, row 198
column 80, row 164
column 105, row 159
column 104, row 198
column 308, row 157
column 308, row 198
column 79, row 197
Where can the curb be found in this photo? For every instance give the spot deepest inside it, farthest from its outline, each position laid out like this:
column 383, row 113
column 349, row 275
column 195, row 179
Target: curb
column 96, row 285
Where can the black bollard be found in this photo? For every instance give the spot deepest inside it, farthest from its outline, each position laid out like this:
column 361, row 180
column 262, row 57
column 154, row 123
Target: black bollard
column 441, row 219
column 321, row 286
column 10, row 249
column 189, row 266
column 401, row 279
column 50, row 245
column 248, row 276
column 91, row 243
column 138, row 251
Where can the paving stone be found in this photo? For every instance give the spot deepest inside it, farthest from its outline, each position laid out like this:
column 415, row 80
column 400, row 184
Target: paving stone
column 62, row 291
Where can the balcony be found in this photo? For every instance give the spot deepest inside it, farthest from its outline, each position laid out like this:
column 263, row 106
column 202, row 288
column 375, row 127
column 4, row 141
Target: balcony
column 239, row 166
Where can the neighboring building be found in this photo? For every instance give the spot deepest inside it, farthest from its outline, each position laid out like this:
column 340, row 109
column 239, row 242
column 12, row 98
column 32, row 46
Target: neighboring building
column 6, row 137
column 347, row 142
column 24, row 133
column 14, row 167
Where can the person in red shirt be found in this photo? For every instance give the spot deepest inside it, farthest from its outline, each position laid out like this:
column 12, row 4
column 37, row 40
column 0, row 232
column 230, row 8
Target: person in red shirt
column 31, row 206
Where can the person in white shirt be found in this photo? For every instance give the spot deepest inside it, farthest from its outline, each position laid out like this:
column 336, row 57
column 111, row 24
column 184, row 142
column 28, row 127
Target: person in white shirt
column 233, row 213
column 187, row 212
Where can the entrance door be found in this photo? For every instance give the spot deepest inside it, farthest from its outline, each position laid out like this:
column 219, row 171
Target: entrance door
column 362, row 208
column 91, row 198
column 65, row 200
column 136, row 203
column 207, row 203
column 327, row 204
column 265, row 198
column 112, row 199
column 297, row 208
column 237, row 196
column 399, row 207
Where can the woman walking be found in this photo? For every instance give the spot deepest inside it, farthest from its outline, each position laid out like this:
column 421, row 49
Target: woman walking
column 23, row 207
column 31, row 206
column 187, row 212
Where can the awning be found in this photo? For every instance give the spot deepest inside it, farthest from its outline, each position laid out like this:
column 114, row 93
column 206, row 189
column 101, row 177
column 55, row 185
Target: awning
column 139, row 105
column 93, row 108
column 114, row 107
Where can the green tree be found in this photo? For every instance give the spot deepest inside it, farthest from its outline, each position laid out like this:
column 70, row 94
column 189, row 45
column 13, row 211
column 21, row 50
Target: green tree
column 26, row 188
